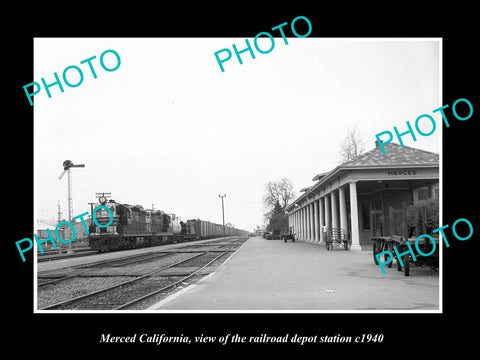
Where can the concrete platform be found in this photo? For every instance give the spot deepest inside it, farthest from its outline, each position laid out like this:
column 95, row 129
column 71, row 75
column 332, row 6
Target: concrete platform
column 270, row 275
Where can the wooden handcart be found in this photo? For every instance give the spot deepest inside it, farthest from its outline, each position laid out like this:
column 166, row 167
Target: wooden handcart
column 286, row 237
column 336, row 235
column 386, row 243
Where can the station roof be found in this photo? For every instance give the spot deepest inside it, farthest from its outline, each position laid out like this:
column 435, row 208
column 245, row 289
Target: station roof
column 395, row 156
column 319, row 176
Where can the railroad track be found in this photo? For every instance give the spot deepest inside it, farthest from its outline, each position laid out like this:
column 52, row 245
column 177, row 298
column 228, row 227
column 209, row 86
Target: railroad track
column 82, row 270
column 54, row 255
column 139, row 288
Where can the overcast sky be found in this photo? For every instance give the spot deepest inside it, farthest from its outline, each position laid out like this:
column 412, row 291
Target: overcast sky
column 169, row 128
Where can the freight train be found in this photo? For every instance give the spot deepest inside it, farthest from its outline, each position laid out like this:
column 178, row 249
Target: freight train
column 131, row 226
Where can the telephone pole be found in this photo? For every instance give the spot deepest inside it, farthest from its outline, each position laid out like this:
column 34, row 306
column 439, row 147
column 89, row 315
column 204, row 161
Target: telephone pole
column 59, row 213
column 223, row 213
column 67, row 165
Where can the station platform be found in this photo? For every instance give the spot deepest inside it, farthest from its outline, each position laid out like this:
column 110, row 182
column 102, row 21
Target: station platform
column 274, row 276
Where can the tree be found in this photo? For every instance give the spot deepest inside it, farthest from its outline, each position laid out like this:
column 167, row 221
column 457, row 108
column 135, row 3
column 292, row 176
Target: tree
column 352, row 146
column 278, row 221
column 278, row 195
column 280, row 192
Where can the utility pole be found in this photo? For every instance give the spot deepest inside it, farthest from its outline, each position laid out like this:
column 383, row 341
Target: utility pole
column 91, row 212
column 223, row 213
column 91, row 208
column 67, row 165
column 59, row 213
column 59, row 220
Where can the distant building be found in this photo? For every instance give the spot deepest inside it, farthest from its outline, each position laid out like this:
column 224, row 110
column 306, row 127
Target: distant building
column 43, row 234
column 64, row 232
column 259, row 232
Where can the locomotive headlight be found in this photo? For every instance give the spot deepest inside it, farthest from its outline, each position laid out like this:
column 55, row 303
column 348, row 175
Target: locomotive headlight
column 102, row 200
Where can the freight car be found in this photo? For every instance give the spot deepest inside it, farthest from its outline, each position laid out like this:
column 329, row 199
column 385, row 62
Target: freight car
column 201, row 229
column 132, row 226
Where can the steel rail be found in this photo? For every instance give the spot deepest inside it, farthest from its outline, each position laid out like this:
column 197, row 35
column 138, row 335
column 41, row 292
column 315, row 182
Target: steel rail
column 98, row 292
column 170, row 285
column 85, row 267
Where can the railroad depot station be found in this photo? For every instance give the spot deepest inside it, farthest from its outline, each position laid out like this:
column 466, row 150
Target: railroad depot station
column 369, row 197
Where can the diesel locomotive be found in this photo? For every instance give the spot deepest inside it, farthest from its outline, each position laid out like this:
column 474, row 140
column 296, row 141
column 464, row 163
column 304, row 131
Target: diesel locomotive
column 131, row 226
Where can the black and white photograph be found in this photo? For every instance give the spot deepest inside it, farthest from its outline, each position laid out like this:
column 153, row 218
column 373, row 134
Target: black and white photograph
column 237, row 182
column 231, row 190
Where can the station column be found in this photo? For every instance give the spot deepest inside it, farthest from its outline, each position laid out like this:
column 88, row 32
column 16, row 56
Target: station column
column 343, row 210
column 316, row 221
column 307, row 230
column 313, row 221
column 327, row 212
column 310, row 228
column 321, row 209
column 304, row 224
column 297, row 221
column 334, row 210
column 354, row 217
column 297, row 229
